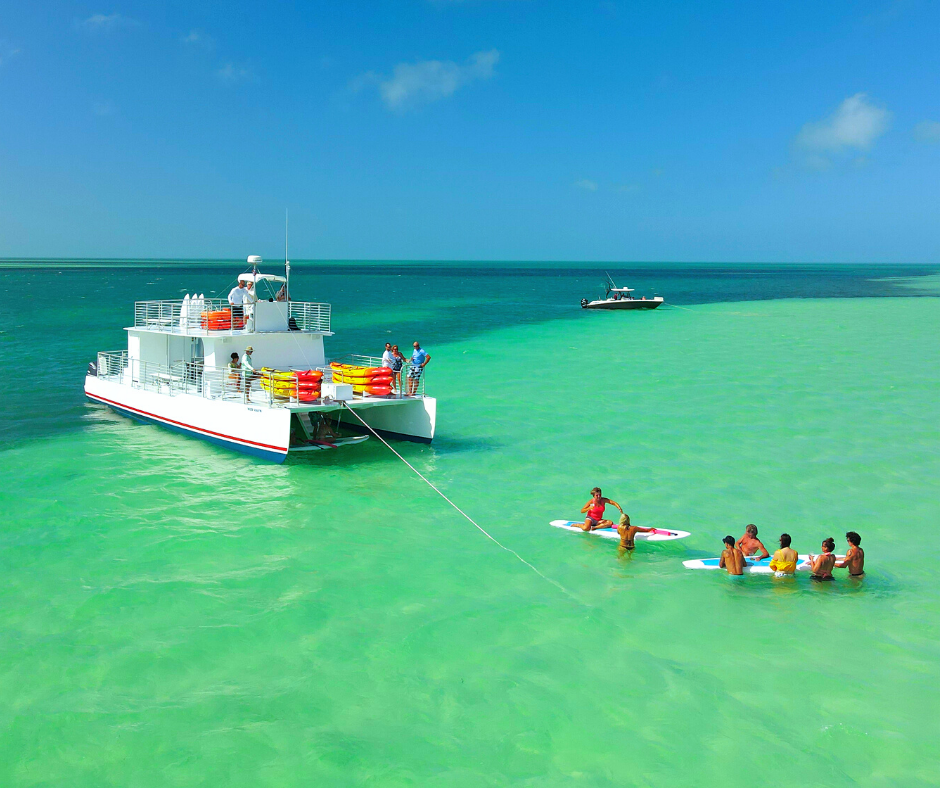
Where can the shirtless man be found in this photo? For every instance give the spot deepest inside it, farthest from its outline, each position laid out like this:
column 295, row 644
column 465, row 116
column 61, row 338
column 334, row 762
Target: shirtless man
column 732, row 558
column 594, row 509
column 785, row 559
column 855, row 557
column 628, row 532
column 822, row 564
column 750, row 544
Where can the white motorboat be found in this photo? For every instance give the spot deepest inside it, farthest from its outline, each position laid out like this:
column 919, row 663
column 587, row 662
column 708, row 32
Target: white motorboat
column 175, row 373
column 621, row 298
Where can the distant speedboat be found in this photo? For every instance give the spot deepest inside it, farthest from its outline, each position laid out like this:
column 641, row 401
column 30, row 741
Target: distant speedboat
column 620, row 298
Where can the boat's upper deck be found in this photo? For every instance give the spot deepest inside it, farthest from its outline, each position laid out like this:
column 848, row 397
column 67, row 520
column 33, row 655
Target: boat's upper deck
column 200, row 316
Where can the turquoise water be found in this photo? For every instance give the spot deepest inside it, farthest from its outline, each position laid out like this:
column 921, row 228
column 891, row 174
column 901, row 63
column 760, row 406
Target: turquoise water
column 174, row 614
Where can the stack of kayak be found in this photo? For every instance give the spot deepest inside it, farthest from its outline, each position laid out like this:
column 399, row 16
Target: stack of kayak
column 220, row 320
column 376, row 381
column 292, row 384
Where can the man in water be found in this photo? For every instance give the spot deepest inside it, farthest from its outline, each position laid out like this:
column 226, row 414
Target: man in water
column 594, row 509
column 732, row 558
column 750, row 544
column 785, row 559
column 628, row 532
column 855, row 557
column 822, row 564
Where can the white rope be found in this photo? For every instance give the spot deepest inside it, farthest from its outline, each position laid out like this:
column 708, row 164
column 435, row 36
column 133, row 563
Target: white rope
column 482, row 530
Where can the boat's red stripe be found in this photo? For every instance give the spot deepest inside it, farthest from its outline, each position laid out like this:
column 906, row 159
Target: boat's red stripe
column 183, row 424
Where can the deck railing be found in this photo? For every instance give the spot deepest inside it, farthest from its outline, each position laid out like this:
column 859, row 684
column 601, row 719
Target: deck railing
column 208, row 316
column 405, row 382
column 224, row 383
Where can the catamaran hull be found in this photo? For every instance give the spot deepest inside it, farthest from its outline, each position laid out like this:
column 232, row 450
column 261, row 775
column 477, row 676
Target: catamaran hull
column 261, row 432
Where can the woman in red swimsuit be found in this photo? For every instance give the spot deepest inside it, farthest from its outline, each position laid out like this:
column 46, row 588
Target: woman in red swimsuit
column 594, row 509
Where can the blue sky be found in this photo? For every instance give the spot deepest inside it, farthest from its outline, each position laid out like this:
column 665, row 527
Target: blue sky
column 481, row 129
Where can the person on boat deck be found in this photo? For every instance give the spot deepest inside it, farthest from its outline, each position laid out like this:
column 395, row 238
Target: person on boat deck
column 750, row 544
column 235, row 371
column 387, row 355
column 398, row 361
column 785, row 559
column 855, row 557
column 594, row 509
column 237, row 297
column 822, row 564
column 419, row 360
column 248, row 366
column 732, row 558
column 628, row 532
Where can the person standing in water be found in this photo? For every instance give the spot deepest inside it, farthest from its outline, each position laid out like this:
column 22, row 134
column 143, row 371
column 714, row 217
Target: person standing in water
column 750, row 544
column 822, row 564
column 855, row 558
column 628, row 532
column 732, row 558
column 594, row 509
column 785, row 559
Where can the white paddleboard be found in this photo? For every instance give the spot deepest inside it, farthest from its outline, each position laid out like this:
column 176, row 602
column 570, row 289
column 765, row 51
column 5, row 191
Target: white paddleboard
column 753, row 566
column 659, row 535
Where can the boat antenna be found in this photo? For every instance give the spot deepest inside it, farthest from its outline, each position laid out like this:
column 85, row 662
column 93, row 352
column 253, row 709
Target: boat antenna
column 286, row 260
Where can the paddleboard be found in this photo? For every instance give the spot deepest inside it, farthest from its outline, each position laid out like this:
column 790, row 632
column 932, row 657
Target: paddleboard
column 754, row 566
column 659, row 535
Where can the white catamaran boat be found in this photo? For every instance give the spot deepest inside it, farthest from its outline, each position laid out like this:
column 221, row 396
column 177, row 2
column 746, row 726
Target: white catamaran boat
column 175, row 372
column 620, row 298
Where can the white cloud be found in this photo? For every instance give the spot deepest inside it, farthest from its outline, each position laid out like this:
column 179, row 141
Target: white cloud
column 927, row 131
column 856, row 123
column 429, row 80
column 106, row 23
column 232, row 73
column 586, row 184
column 197, row 38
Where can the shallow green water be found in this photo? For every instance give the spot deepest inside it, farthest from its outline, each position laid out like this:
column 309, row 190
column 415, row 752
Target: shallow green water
column 174, row 614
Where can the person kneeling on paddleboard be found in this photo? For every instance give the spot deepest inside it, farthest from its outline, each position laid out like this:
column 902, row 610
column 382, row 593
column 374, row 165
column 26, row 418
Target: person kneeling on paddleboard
column 628, row 532
column 594, row 509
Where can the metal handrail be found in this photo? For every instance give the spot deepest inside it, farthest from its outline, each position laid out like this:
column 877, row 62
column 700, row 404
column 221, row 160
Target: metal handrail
column 404, row 383
column 208, row 316
column 225, row 383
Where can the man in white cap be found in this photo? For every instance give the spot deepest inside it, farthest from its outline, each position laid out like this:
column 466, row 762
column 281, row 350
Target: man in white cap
column 248, row 367
column 238, row 296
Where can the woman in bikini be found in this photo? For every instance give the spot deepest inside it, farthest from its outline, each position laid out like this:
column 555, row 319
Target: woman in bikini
column 594, row 509
column 822, row 564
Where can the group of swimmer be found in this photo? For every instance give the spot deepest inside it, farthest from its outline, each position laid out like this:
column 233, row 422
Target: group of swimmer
column 734, row 555
column 785, row 559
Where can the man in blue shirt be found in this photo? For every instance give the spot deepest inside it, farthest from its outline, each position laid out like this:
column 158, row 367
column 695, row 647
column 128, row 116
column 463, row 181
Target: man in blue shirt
column 419, row 360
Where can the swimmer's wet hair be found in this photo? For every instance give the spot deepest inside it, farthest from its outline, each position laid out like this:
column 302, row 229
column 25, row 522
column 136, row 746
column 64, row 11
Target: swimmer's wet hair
column 751, row 529
column 785, row 540
column 854, row 538
column 829, row 543
column 729, row 540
